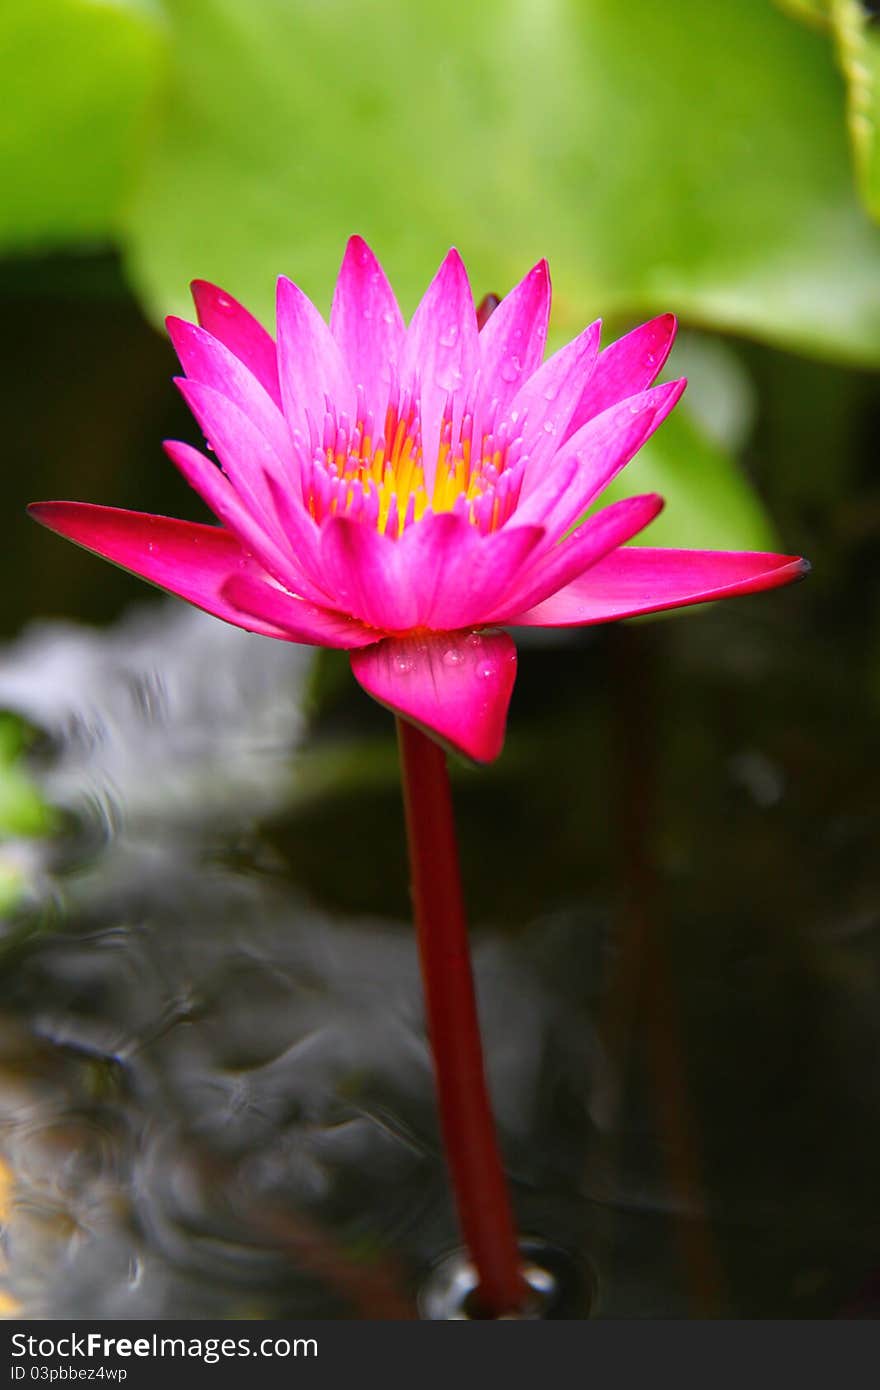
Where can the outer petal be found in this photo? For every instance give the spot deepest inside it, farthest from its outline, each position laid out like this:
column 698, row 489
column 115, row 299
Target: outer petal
column 599, row 451
column 215, row 489
column 247, row 457
column 270, row 490
column 299, row 621
column 227, row 320
column 646, row 580
column 441, row 353
column 455, row 686
column 182, row 557
column 367, row 324
column 542, row 409
column 310, row 366
column 605, row 532
column 626, row 367
column 512, row 341
column 205, row 359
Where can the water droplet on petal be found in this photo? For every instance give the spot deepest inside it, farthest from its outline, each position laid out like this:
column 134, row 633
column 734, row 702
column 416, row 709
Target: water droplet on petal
column 387, row 317
column 449, row 338
column 403, row 664
column 453, row 657
column 549, row 426
column 510, row 368
column 487, row 670
column 448, row 378
column 551, row 392
column 474, row 640
column 651, row 358
column 635, row 408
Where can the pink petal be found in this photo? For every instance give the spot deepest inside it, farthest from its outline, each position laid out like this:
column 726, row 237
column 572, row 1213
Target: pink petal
column 441, row 353
column 246, row 455
column 297, row 620
column 457, row 574
column 512, row 341
column 542, row 408
column 602, row 533
column 599, row 450
column 626, row 367
column 646, row 580
column 182, row 557
column 367, row 324
column 367, row 574
column 455, row 686
column 311, row 370
column 270, row 490
column 232, row 324
column 205, row 359
column 219, row 494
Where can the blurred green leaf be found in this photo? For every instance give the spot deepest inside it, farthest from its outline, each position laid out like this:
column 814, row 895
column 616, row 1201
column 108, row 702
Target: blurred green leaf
column 710, row 504
column 694, row 160
column 813, row 12
column 22, row 810
column 857, row 36
column 78, row 78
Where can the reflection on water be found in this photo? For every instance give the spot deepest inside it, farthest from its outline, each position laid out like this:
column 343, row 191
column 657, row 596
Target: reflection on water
column 215, row 1093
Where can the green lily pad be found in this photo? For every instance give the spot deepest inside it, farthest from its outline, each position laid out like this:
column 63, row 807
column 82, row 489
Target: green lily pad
column 78, row 81
column 694, row 161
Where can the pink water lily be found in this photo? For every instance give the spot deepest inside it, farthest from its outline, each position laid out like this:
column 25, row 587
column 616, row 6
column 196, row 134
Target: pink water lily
column 409, row 493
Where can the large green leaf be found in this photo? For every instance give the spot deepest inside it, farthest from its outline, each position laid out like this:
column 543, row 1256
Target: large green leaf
column 688, row 157
column 78, row 79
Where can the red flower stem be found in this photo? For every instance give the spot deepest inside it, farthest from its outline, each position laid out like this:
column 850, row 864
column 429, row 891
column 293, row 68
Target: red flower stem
column 469, row 1136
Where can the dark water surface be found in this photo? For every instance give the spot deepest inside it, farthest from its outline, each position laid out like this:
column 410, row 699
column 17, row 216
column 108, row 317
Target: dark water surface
column 215, row 1094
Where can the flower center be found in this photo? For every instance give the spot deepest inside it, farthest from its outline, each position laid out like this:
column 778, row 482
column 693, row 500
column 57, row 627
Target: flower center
column 380, row 478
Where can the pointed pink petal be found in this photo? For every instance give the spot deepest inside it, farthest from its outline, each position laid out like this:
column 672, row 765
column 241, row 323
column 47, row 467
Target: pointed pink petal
column 215, row 489
column 268, row 489
column 367, row 324
column 602, row 533
column 182, row 557
column 455, row 686
column 232, row 324
column 512, row 341
column 626, row 367
column 205, row 359
column 441, row 353
column 246, row 455
column 599, row 451
column 646, row 580
column 366, row 572
column 299, row 621
column 457, row 574
column 310, row 366
column 542, row 408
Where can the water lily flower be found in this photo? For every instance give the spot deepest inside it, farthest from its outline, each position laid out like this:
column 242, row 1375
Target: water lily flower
column 408, row 493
